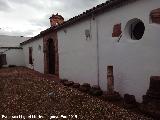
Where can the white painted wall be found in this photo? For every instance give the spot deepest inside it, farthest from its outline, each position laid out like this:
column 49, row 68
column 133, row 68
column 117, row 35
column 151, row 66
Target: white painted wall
column 14, row 57
column 37, row 55
column 77, row 56
column 134, row 61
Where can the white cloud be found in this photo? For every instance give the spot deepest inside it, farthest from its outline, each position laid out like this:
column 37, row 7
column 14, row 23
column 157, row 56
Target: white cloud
column 29, row 17
column 4, row 6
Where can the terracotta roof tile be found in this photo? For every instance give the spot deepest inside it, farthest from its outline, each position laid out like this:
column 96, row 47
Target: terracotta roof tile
column 108, row 5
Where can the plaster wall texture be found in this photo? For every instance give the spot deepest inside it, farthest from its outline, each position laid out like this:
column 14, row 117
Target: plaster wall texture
column 37, row 55
column 77, row 55
column 14, row 57
column 134, row 61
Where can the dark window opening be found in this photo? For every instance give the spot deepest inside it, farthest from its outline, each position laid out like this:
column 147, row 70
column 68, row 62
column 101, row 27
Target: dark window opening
column 3, row 60
column 137, row 30
column 30, row 56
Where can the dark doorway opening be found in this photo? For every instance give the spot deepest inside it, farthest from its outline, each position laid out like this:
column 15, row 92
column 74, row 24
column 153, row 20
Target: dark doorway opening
column 51, row 57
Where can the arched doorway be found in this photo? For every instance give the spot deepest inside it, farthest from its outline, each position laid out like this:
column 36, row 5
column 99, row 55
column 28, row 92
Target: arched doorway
column 51, row 57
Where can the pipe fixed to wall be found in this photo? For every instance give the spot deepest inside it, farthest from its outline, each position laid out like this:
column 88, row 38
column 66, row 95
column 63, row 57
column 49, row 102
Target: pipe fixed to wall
column 97, row 37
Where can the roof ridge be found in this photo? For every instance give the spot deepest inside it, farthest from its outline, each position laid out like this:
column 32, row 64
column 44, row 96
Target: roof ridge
column 94, row 10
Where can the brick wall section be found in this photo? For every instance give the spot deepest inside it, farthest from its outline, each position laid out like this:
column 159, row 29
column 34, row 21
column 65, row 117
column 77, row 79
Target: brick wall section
column 116, row 30
column 46, row 37
column 155, row 16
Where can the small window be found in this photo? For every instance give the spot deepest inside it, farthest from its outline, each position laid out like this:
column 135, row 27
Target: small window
column 135, row 29
column 30, row 55
column 3, row 60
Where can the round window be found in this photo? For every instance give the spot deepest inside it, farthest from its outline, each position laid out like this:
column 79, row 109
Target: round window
column 135, row 29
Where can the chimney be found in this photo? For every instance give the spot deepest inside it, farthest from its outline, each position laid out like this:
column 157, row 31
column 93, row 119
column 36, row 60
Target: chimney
column 56, row 20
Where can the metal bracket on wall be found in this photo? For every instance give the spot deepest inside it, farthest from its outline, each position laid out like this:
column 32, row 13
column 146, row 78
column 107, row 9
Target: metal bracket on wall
column 119, row 38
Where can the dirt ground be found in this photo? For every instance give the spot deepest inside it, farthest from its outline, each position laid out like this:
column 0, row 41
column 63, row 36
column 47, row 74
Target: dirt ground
column 29, row 95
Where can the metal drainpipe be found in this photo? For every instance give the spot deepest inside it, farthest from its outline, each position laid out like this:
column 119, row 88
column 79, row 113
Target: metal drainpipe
column 97, row 37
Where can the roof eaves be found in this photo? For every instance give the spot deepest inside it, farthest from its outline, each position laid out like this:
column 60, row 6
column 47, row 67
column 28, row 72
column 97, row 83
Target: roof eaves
column 108, row 5
column 31, row 39
column 10, row 47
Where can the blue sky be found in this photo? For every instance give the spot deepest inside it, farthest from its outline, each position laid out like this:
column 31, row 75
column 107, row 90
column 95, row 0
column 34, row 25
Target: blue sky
column 29, row 17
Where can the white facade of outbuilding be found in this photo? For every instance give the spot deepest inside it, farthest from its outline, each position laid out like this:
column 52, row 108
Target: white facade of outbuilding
column 37, row 55
column 14, row 56
column 85, row 60
column 10, row 45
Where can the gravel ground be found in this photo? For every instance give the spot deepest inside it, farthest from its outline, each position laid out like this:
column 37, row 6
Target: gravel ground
column 25, row 92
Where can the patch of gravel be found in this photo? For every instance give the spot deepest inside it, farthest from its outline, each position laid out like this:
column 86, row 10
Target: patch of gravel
column 26, row 93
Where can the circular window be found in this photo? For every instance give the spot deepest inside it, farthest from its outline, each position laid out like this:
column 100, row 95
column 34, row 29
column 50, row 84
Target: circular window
column 135, row 29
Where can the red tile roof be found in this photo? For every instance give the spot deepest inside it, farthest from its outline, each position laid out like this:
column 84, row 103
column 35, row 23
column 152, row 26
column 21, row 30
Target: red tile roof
column 108, row 5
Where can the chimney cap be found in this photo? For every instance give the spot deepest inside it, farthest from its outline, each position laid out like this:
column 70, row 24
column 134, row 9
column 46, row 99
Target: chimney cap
column 56, row 16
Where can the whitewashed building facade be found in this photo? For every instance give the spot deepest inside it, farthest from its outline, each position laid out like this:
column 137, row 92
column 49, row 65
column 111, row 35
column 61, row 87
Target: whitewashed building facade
column 10, row 47
column 122, row 33
column 37, row 55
